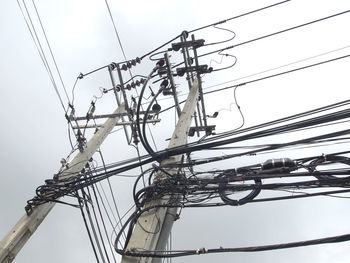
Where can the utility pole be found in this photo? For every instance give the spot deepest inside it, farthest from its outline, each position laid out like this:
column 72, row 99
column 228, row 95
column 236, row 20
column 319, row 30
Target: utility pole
column 153, row 228
column 13, row 242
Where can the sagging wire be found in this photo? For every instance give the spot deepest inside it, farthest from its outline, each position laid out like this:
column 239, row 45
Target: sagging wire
column 266, row 173
column 145, row 117
column 239, row 109
column 219, row 62
column 145, row 144
column 223, row 41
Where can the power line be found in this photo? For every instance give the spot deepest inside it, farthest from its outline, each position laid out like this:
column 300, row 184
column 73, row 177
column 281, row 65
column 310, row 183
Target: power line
column 180, row 253
column 279, row 74
column 121, row 46
column 110, row 189
column 191, row 31
column 40, row 49
column 275, row 68
column 266, row 77
column 49, row 46
column 258, row 73
column 213, row 24
column 115, row 30
column 238, row 16
column 276, row 33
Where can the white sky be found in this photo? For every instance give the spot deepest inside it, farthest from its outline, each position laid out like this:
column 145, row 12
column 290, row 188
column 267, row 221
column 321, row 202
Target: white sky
column 33, row 136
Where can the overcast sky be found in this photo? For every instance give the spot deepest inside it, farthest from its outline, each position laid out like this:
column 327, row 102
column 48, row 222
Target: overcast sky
column 34, row 138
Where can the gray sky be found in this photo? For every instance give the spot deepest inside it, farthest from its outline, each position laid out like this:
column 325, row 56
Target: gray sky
column 34, row 134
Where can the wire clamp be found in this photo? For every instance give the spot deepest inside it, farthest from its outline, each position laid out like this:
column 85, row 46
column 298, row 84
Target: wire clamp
column 202, row 250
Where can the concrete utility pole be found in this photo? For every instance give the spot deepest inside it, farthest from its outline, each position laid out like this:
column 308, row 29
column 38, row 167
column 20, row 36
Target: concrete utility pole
column 26, row 226
column 153, row 228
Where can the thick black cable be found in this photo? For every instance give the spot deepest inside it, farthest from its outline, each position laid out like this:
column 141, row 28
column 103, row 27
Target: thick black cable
column 137, row 214
column 145, row 117
column 161, row 254
column 188, row 147
column 149, row 150
column 180, row 150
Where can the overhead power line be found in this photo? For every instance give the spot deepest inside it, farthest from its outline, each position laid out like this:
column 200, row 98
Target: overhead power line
column 275, row 68
column 239, row 16
column 266, row 77
column 51, row 52
column 177, row 36
column 279, row 74
column 181, row 253
column 36, row 40
column 115, row 30
column 276, row 33
column 216, row 23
